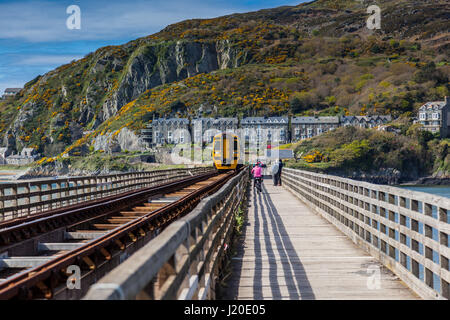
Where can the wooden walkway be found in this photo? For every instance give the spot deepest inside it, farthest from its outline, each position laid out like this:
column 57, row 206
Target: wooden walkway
column 288, row 252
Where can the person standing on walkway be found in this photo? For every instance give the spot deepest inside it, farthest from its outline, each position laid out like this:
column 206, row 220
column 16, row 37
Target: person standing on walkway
column 276, row 172
column 280, row 167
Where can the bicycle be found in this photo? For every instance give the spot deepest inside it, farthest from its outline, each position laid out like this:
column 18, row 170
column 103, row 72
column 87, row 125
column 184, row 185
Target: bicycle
column 258, row 182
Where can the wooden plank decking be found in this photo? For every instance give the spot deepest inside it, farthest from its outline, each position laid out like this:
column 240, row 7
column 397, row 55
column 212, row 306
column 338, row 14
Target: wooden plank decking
column 288, row 252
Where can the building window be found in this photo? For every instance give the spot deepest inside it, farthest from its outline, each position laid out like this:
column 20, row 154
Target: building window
column 319, row 130
column 297, row 131
column 422, row 116
column 435, row 116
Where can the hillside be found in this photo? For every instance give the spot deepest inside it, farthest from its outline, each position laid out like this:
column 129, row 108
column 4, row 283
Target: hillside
column 377, row 156
column 317, row 57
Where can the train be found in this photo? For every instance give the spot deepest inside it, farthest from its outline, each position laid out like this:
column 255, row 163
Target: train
column 226, row 153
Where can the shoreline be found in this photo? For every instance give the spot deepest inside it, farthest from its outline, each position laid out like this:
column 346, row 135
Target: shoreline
column 427, row 182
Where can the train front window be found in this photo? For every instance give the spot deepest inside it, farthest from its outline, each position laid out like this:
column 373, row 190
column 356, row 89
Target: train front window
column 217, row 146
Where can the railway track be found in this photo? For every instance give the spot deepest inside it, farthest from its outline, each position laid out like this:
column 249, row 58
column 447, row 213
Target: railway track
column 36, row 255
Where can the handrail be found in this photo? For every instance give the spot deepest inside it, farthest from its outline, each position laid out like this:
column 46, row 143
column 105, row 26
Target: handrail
column 181, row 261
column 407, row 231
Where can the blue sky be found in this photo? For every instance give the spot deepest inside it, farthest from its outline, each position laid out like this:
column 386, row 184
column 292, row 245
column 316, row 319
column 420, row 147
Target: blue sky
column 34, row 38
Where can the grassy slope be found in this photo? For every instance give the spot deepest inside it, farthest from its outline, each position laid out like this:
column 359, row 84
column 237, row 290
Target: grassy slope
column 414, row 153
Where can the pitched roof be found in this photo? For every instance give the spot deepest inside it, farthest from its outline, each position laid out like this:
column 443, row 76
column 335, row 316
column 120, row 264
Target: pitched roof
column 313, row 120
column 216, row 120
column 435, row 105
column 263, row 120
column 171, row 120
column 12, row 90
column 366, row 118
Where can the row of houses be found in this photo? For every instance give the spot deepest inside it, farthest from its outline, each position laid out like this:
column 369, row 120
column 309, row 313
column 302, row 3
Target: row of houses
column 253, row 129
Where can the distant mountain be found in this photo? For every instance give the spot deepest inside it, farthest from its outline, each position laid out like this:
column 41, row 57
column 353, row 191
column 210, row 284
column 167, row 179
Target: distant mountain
column 317, row 57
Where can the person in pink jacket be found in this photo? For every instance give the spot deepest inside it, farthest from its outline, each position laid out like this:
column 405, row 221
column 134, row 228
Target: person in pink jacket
column 257, row 174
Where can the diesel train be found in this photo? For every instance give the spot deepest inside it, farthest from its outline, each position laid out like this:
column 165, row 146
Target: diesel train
column 226, row 153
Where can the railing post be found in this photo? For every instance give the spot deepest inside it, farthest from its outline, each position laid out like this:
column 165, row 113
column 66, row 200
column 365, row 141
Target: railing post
column 67, row 192
column 14, row 201
column 50, row 196
column 59, row 194
column 27, row 198
column 77, row 190
column 39, row 198
column 2, row 204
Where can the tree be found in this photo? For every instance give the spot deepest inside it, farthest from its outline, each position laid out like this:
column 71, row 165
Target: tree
column 430, row 73
column 301, row 101
column 177, row 106
column 425, row 136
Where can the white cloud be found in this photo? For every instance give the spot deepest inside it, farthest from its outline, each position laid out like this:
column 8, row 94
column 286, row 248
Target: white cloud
column 43, row 21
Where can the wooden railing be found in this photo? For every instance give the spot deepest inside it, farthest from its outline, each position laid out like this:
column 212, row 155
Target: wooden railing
column 24, row 198
column 407, row 231
column 181, row 262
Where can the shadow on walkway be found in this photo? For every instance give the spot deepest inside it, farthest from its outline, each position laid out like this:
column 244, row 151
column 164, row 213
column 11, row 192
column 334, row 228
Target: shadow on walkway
column 295, row 275
column 269, row 230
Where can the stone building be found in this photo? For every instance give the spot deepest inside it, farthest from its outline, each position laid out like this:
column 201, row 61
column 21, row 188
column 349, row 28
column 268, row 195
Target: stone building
column 27, row 156
column 273, row 130
column 204, row 129
column 265, row 129
column 168, row 131
column 434, row 117
column 28, row 152
column 307, row 127
column 147, row 134
column 10, row 92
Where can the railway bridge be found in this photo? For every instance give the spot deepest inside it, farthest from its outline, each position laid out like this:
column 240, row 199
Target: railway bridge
column 172, row 235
